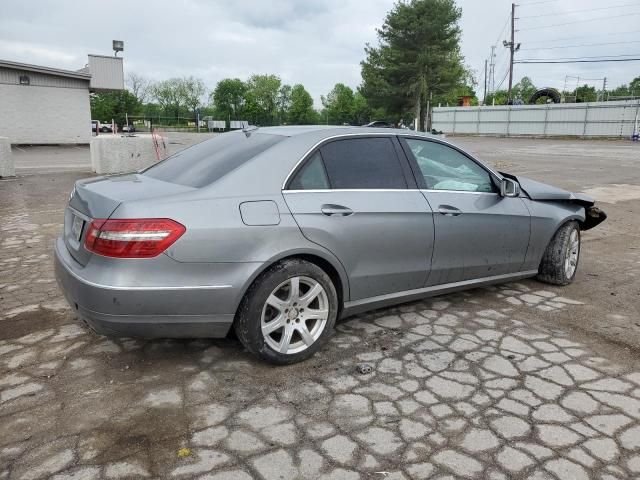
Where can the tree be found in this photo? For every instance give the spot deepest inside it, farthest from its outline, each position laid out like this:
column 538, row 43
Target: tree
column 524, row 89
column 139, row 86
column 499, row 97
column 418, row 58
column 228, row 98
column 284, row 103
column 586, row 93
column 191, row 90
column 261, row 98
column 114, row 105
column 167, row 94
column 634, row 87
column 339, row 104
column 301, row 111
column 179, row 96
column 361, row 109
column 620, row 91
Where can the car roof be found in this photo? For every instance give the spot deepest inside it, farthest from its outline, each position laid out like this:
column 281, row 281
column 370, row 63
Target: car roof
column 327, row 131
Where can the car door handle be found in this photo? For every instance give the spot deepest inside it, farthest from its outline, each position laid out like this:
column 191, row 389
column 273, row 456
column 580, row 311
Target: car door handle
column 449, row 211
column 337, row 210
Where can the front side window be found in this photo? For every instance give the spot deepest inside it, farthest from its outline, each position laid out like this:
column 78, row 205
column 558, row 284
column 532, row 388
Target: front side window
column 444, row 168
column 363, row 163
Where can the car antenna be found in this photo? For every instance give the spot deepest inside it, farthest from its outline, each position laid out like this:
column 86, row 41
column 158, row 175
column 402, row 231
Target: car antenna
column 249, row 129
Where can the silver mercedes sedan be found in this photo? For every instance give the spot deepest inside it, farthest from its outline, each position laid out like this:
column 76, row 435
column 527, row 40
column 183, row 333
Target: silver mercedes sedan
column 277, row 232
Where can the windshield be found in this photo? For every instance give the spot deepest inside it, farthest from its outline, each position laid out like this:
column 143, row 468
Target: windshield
column 209, row 161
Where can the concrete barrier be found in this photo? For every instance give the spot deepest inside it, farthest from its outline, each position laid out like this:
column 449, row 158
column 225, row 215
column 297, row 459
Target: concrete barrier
column 122, row 154
column 7, row 169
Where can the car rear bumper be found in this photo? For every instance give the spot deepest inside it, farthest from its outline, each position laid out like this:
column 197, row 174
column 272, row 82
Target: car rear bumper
column 147, row 311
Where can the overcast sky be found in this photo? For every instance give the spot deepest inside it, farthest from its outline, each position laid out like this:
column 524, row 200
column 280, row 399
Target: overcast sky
column 314, row 42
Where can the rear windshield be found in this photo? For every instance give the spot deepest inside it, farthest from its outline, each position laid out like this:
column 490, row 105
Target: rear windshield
column 211, row 160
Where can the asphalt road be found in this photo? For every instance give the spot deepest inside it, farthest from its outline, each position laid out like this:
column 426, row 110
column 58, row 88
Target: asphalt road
column 523, row 380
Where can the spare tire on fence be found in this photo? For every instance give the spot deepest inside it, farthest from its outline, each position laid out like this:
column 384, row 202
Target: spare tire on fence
column 551, row 93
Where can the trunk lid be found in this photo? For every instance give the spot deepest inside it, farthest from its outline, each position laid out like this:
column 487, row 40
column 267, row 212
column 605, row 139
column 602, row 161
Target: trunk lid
column 99, row 197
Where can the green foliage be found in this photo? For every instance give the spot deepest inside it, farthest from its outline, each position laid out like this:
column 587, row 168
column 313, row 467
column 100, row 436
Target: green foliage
column 499, row 97
column 523, row 90
column 178, row 96
column 418, row 58
column 339, row 104
column 261, row 99
column 586, row 93
column 301, row 110
column 192, row 90
column 114, row 105
column 228, row 98
column 284, row 103
column 631, row 90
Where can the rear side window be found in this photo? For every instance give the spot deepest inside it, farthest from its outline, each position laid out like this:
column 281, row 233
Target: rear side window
column 363, row 163
column 209, row 161
column 312, row 176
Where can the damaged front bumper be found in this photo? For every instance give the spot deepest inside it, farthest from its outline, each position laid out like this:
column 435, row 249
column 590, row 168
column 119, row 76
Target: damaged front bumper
column 593, row 217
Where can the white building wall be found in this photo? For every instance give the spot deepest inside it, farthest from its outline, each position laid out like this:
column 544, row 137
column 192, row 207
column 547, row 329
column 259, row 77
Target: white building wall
column 39, row 115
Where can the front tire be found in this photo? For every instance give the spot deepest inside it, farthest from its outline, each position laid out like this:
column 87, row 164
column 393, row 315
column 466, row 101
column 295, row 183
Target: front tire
column 560, row 260
column 289, row 312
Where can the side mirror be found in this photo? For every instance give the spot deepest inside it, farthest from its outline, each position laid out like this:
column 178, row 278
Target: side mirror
column 509, row 188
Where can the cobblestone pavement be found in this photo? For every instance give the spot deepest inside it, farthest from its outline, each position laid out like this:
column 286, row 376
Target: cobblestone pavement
column 484, row 384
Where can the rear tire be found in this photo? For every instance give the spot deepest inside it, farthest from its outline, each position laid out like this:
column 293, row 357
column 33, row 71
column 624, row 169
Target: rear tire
column 288, row 313
column 560, row 260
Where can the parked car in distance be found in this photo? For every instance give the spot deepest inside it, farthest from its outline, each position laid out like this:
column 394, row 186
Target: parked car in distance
column 128, row 128
column 106, row 127
column 379, row 124
column 276, row 232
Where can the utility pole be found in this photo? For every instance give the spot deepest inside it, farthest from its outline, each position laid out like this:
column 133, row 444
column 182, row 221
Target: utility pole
column 512, row 47
column 604, row 87
column 484, row 97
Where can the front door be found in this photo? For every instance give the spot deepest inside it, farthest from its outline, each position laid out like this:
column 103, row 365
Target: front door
column 478, row 233
column 352, row 196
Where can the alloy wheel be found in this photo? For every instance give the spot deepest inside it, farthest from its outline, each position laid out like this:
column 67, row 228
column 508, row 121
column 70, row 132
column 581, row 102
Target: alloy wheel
column 294, row 315
column 573, row 251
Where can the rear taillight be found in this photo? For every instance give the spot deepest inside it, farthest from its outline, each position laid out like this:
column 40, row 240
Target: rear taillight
column 132, row 238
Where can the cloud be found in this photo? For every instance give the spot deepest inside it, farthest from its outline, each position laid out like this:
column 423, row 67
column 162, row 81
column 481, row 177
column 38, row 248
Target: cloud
column 314, row 42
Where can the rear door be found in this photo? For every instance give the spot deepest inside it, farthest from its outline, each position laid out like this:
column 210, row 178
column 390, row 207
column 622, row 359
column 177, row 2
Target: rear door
column 478, row 233
column 357, row 197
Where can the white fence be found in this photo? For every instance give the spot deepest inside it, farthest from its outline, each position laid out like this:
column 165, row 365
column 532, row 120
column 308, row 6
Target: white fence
column 597, row 119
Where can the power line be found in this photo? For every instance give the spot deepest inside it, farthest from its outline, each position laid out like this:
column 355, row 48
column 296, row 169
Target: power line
column 506, row 74
column 582, row 45
column 581, row 61
column 506, row 22
column 528, row 4
column 568, row 12
column 583, row 36
column 580, row 21
column 588, row 57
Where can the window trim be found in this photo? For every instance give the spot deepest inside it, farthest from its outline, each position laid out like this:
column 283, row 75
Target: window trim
column 422, row 184
column 405, row 166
